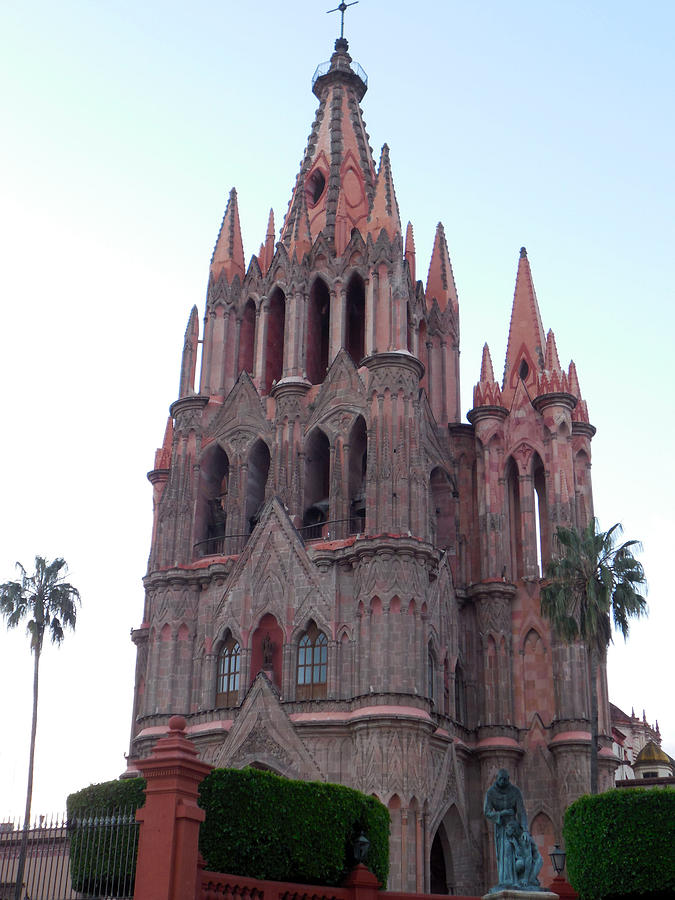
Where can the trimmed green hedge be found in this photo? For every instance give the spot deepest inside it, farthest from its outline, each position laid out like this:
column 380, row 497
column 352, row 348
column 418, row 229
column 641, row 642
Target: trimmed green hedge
column 104, row 837
column 264, row 826
column 258, row 825
column 622, row 842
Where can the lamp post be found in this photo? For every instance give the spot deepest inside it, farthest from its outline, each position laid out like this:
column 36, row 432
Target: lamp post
column 361, row 848
column 559, row 885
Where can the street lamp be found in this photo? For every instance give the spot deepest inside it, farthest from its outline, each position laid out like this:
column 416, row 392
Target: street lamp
column 361, row 848
column 558, row 859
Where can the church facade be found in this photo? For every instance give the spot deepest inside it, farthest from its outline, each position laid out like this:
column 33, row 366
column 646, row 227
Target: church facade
column 343, row 580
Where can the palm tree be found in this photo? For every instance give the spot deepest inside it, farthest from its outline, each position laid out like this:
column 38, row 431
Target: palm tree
column 49, row 604
column 590, row 582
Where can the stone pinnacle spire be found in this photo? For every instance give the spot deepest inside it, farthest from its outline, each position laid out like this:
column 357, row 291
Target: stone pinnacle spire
column 525, row 348
column 410, row 251
column 440, row 280
column 384, row 211
column 228, row 254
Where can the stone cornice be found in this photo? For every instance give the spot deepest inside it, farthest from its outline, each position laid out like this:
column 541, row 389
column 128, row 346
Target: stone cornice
column 556, row 398
column 397, row 359
column 480, row 413
column 194, row 402
column 584, row 428
column 488, row 590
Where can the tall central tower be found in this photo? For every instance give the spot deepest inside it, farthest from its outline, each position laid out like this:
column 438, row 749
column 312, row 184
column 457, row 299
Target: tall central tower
column 343, row 581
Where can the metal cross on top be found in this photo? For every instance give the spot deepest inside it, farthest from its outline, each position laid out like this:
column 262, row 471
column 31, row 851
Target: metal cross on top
column 341, row 9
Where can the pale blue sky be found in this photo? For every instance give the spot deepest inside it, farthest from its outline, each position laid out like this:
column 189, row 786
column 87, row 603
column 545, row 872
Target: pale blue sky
column 124, row 128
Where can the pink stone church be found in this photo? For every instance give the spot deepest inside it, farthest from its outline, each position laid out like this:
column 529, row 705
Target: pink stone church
column 343, row 583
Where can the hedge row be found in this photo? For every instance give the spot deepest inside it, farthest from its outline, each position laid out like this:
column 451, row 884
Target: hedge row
column 622, row 842
column 257, row 825
column 104, row 837
column 264, row 826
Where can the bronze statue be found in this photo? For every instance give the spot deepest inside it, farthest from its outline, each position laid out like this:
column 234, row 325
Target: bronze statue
column 518, row 858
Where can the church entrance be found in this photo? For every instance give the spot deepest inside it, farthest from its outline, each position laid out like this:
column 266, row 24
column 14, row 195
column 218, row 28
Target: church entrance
column 440, row 864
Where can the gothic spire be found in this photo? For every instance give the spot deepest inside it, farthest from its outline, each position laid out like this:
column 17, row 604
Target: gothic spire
column 228, row 254
column 440, row 280
column 337, row 170
column 486, row 392
column 384, row 211
column 268, row 252
column 410, row 251
column 525, row 348
column 189, row 360
column 301, row 239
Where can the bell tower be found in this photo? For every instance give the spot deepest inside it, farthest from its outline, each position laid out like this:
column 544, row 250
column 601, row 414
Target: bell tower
column 343, row 577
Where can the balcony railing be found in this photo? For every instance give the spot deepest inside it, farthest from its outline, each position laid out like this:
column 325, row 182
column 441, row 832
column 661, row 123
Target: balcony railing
column 233, row 544
column 223, row 545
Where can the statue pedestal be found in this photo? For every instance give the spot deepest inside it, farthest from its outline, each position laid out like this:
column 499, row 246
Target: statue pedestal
column 521, row 895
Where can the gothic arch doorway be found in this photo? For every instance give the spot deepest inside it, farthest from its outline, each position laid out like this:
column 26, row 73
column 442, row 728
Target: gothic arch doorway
column 450, row 859
column 441, row 856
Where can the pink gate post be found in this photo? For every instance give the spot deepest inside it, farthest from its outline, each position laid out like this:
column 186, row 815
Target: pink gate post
column 168, row 843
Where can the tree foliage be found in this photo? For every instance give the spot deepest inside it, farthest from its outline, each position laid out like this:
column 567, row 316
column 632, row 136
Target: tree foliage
column 620, row 843
column 591, row 581
column 49, row 604
column 45, row 599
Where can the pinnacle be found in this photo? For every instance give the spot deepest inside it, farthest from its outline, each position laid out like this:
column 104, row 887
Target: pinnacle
column 410, row 250
column 551, row 360
column 486, row 371
column 163, row 454
column 267, row 249
column 384, row 210
column 440, row 280
column 526, row 344
column 486, row 392
column 301, row 236
column 573, row 380
column 228, row 254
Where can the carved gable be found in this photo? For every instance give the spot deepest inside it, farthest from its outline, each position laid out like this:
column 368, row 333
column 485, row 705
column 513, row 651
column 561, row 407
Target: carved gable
column 263, row 734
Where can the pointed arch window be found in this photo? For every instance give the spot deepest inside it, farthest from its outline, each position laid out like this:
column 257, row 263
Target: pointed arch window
column 312, row 664
column 228, row 671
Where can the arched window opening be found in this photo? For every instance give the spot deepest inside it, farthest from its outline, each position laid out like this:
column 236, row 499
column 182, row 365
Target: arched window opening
column 356, row 319
column 247, row 339
column 515, row 523
column 315, row 185
column 541, row 522
column 442, row 508
column 211, row 515
column 358, row 460
column 312, row 672
column 318, row 332
column 276, row 324
column 227, row 673
column 317, row 482
column 258, row 470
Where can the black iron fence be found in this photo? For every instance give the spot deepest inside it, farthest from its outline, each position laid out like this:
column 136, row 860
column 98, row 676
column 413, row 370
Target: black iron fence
column 84, row 857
